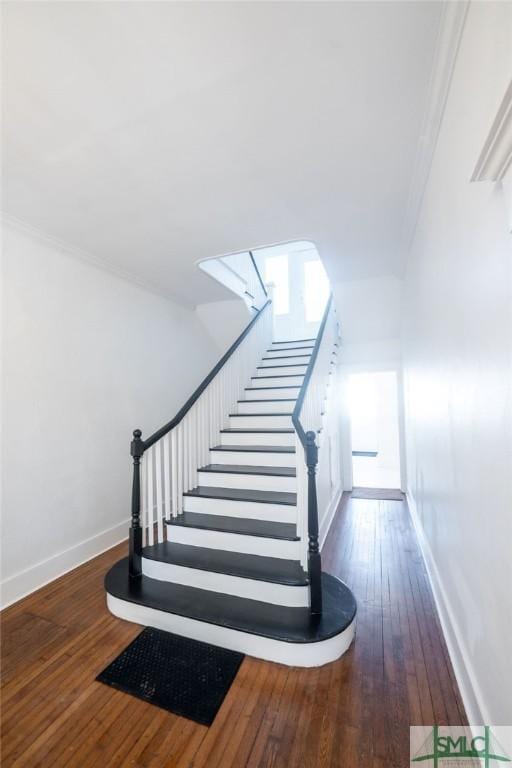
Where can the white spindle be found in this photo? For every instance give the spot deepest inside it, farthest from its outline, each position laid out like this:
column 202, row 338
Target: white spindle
column 159, row 496
column 167, row 477
column 150, row 496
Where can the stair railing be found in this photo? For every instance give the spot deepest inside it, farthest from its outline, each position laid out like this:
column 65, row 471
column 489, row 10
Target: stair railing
column 165, row 465
column 307, row 420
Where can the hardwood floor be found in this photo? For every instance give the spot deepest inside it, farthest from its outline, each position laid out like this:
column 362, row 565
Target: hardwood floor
column 354, row 712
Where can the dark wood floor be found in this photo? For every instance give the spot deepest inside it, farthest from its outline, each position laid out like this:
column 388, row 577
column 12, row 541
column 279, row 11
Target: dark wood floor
column 354, row 712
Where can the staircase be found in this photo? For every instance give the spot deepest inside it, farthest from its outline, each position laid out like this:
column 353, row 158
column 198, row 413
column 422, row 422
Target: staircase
column 227, row 503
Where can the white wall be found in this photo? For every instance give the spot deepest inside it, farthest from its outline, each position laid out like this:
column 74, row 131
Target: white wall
column 87, row 358
column 223, row 321
column 457, row 357
column 370, row 316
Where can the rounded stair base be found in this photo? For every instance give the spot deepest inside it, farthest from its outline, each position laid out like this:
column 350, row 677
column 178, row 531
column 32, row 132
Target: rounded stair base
column 290, row 636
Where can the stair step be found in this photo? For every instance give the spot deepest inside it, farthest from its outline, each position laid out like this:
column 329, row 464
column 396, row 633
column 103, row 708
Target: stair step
column 255, row 448
column 282, row 365
column 286, row 357
column 260, row 420
column 253, row 455
column 292, row 341
column 287, row 413
column 280, row 386
column 260, row 475
column 266, row 405
column 259, row 431
column 261, row 568
column 282, row 349
column 299, row 369
column 249, row 469
column 258, row 436
column 243, row 494
column 258, row 504
column 284, row 634
column 270, row 400
column 267, row 529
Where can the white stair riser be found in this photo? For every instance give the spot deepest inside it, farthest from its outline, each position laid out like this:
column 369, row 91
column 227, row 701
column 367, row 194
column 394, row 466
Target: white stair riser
column 272, row 394
column 279, row 513
column 265, row 406
column 252, row 589
column 256, row 459
column 235, row 542
column 278, row 370
column 288, row 353
column 290, row 654
column 257, row 438
column 277, row 381
column 260, row 422
column 251, row 482
column 288, row 344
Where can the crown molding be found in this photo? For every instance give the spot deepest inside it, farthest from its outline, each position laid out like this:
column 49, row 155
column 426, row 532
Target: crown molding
column 496, row 155
column 447, row 47
column 89, row 258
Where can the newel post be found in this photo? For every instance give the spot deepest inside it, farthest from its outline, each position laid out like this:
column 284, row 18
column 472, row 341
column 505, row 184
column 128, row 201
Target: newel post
column 314, row 559
column 135, row 540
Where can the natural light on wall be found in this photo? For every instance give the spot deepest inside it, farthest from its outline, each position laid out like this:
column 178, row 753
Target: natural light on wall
column 316, row 290
column 276, row 271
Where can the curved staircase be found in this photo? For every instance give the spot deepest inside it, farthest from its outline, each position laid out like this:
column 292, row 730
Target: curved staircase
column 225, row 550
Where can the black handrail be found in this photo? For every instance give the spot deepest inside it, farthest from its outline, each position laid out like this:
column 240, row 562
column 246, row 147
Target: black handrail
column 308, row 440
column 195, row 396
column 309, row 370
column 138, row 446
column 258, row 273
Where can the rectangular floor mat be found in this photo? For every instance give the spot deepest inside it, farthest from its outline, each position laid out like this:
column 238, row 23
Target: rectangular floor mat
column 384, row 494
column 175, row 673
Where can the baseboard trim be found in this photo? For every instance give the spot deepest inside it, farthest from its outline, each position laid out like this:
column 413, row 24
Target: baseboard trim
column 476, row 711
column 31, row 579
column 329, row 517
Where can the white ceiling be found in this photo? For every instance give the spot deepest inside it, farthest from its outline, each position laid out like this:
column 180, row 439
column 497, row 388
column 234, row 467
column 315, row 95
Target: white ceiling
column 154, row 134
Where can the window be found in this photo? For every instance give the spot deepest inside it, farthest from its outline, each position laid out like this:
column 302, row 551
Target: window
column 276, row 271
column 316, row 290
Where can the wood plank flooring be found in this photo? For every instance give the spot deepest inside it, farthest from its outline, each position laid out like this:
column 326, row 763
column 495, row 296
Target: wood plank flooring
column 354, row 712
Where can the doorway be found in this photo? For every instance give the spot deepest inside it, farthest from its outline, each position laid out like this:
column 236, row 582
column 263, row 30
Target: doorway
column 373, row 412
column 301, row 288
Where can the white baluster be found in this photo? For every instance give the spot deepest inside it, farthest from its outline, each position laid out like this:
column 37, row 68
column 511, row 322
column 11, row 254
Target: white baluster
column 167, row 476
column 144, row 499
column 150, row 496
column 159, row 496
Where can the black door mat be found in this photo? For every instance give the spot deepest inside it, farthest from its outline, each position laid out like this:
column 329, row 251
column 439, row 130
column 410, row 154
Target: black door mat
column 380, row 494
column 175, row 673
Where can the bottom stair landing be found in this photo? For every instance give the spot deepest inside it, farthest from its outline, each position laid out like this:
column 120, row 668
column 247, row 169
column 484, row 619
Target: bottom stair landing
column 283, row 634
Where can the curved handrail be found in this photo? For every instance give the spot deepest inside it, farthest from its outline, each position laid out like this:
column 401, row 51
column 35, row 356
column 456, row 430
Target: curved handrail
column 309, row 370
column 258, row 273
column 200, row 389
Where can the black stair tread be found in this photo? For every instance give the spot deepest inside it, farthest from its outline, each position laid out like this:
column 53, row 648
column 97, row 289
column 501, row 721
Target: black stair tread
column 294, row 365
column 270, row 400
column 243, row 494
column 280, row 376
column 268, row 529
column 293, row 625
column 280, row 386
column 286, row 349
column 249, row 469
column 248, row 430
column 273, row 569
column 290, row 341
column 243, row 415
column 256, row 448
